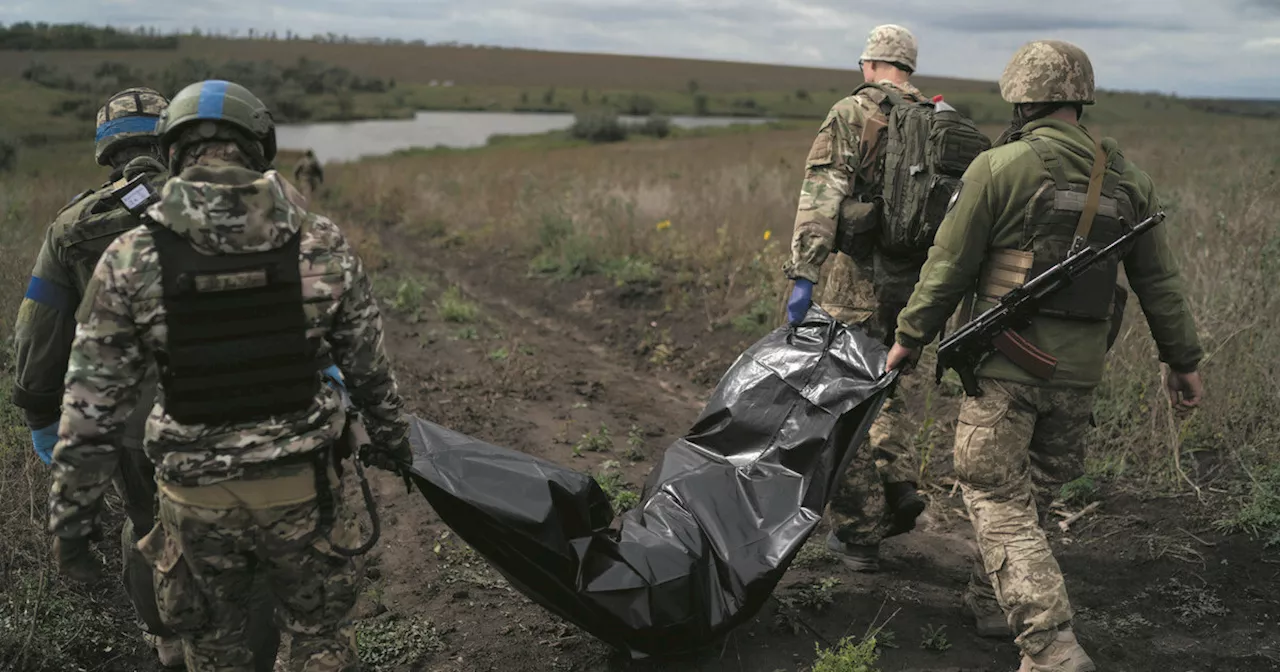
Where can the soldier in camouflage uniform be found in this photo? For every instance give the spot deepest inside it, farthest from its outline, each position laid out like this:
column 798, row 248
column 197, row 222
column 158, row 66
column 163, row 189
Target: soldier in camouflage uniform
column 1021, row 208
column 240, row 296
column 126, row 141
column 309, row 172
column 877, row 495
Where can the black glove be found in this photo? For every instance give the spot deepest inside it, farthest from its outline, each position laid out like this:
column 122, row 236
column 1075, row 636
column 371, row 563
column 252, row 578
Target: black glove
column 392, row 458
column 76, row 559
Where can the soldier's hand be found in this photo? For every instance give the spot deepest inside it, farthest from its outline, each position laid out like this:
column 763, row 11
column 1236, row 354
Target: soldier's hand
column 901, row 358
column 1185, row 389
column 76, row 560
column 801, row 299
column 392, row 458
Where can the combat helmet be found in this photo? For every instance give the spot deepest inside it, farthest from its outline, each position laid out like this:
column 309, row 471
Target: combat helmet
column 223, row 110
column 891, row 43
column 1048, row 71
column 127, row 119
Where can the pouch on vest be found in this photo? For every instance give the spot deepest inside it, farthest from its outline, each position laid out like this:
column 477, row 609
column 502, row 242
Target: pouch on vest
column 1063, row 220
column 237, row 348
column 857, row 227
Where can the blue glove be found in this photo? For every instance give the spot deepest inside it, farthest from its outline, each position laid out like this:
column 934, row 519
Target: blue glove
column 801, row 298
column 44, row 440
column 333, row 377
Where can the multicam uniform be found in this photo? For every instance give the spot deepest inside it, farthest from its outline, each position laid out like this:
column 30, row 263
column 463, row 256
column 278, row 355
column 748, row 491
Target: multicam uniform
column 1020, row 207
column 843, row 162
column 237, row 498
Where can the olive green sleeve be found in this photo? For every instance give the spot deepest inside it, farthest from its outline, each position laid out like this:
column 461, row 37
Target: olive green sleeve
column 1153, row 275
column 954, row 259
column 43, row 332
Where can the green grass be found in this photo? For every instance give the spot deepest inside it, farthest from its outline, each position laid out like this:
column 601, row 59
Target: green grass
column 848, row 655
column 934, row 638
column 614, row 484
column 453, row 307
column 393, row 642
column 594, row 442
column 1259, row 516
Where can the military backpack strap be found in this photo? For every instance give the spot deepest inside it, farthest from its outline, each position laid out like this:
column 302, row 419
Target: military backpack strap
column 1094, row 195
column 1050, row 160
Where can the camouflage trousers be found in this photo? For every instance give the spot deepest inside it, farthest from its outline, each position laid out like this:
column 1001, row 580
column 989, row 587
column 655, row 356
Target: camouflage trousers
column 1015, row 445
column 214, row 541
column 859, row 513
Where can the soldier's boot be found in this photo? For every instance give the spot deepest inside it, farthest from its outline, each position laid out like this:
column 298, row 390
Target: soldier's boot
column 906, row 505
column 1064, row 654
column 855, row 557
column 988, row 618
column 168, row 650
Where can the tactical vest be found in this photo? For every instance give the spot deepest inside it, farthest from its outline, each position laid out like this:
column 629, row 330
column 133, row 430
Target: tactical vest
column 236, row 349
column 102, row 219
column 1061, row 212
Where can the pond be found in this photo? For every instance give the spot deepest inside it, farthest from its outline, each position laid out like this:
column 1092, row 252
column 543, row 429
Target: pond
column 348, row 141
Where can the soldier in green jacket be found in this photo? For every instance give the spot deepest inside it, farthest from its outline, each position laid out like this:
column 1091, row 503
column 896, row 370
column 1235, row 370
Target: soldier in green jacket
column 1021, row 207
column 127, row 143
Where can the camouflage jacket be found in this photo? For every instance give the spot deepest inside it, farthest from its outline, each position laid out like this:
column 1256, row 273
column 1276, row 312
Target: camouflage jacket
column 842, row 157
column 218, row 209
column 46, row 325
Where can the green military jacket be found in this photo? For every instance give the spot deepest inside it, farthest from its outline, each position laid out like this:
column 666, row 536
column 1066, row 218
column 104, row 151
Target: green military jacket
column 46, row 321
column 989, row 213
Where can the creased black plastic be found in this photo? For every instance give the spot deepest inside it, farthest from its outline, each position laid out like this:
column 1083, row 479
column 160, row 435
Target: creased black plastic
column 722, row 516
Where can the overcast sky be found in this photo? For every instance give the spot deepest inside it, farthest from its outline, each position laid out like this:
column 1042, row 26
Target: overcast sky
column 1192, row 47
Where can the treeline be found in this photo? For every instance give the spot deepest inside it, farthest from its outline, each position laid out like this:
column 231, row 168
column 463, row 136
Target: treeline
column 282, row 88
column 45, row 36
column 28, row 36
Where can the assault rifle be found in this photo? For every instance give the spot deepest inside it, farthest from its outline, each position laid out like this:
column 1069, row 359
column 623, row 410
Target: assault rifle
column 996, row 330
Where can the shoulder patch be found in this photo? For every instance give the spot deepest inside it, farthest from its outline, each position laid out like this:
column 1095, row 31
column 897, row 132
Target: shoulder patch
column 822, row 152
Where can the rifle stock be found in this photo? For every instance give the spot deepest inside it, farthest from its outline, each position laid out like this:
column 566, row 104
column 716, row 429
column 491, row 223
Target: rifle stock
column 996, row 329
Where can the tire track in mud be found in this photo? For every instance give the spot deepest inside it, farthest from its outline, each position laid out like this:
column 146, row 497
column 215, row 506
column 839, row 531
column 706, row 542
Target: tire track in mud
column 557, row 382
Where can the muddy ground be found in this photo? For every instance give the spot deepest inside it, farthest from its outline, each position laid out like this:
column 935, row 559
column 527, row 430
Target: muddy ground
column 1154, row 587
column 545, row 362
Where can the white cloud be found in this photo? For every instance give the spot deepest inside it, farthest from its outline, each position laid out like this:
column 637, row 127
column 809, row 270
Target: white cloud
column 1163, row 45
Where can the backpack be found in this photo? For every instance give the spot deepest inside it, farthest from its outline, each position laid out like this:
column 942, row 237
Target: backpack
column 925, row 149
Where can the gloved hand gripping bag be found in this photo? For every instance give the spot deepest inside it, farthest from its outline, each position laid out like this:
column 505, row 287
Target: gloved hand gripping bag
column 722, row 516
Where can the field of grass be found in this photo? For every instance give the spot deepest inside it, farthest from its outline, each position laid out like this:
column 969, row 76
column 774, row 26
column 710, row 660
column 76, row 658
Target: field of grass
column 472, row 78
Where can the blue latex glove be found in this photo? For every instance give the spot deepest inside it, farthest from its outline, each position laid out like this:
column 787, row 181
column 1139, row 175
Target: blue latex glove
column 44, row 440
column 801, row 298
column 333, row 377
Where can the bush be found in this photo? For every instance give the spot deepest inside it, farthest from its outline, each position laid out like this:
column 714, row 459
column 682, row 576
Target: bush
column 658, row 127
column 639, row 106
column 8, row 154
column 598, row 126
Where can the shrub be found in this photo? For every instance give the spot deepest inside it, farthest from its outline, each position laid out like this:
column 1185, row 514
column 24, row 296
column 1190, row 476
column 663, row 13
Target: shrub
column 598, row 126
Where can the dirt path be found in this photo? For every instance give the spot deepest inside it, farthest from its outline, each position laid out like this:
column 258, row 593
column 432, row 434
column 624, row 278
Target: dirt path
column 547, row 363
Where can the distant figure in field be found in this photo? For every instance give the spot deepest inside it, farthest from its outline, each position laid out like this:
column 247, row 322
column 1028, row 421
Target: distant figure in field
column 309, row 172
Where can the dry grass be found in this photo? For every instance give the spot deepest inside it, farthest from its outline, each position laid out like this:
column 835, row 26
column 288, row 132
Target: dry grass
column 584, row 210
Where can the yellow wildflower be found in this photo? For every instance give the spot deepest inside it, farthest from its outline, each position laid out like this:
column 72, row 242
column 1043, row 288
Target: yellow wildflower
column 664, row 224
column 767, row 234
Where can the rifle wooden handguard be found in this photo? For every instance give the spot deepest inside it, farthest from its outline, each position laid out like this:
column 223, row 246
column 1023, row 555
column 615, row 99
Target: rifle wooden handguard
column 1026, row 356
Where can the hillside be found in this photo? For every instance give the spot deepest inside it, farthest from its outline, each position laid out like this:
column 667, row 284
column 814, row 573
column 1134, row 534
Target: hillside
column 480, row 66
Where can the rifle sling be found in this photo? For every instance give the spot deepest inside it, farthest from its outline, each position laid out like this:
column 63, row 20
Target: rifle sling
column 1094, row 195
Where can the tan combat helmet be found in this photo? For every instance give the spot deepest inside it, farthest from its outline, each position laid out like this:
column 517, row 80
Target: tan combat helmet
column 893, row 44
column 128, row 118
column 1048, row 71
